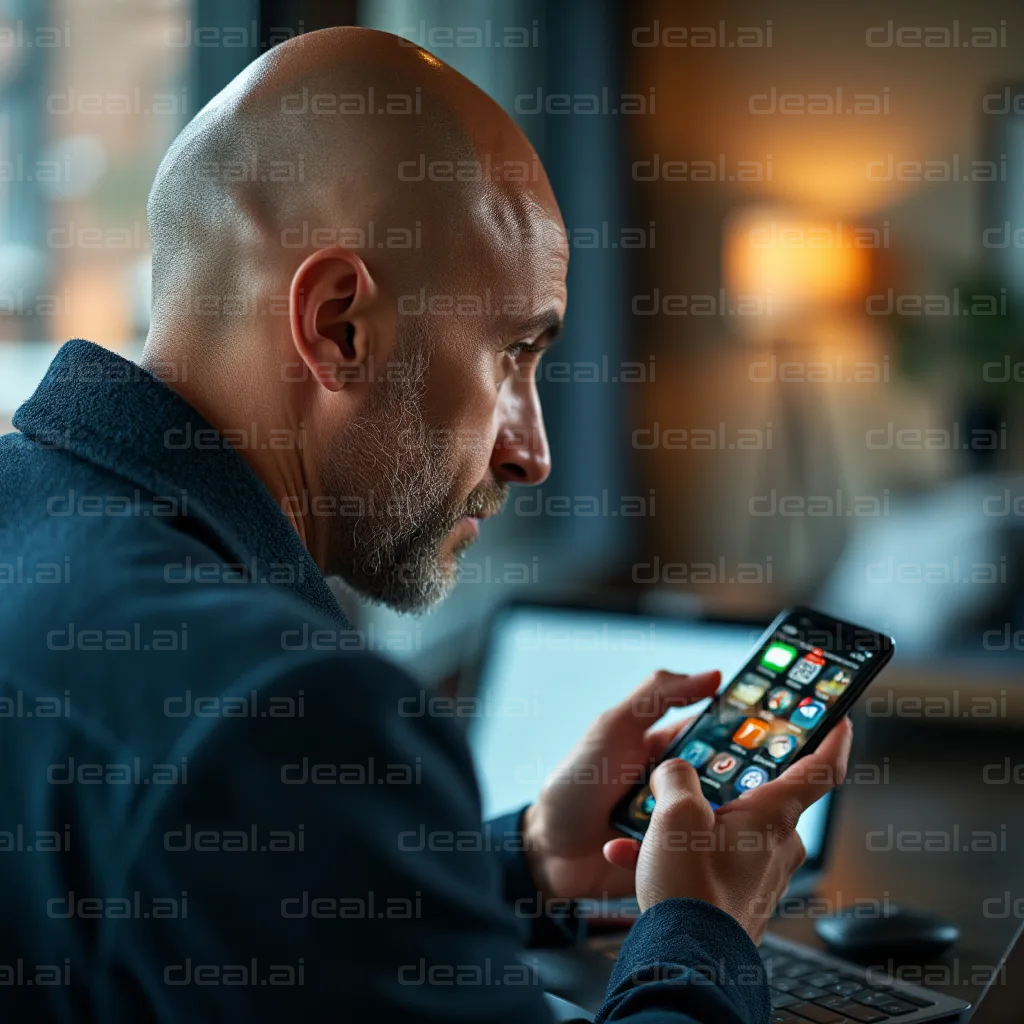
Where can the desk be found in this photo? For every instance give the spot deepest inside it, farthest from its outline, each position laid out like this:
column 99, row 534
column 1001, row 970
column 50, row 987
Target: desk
column 936, row 794
column 931, row 788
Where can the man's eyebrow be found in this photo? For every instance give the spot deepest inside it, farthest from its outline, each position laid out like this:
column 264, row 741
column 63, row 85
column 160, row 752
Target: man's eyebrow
column 546, row 326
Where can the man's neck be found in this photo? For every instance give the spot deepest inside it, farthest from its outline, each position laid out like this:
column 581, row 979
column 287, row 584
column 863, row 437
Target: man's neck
column 272, row 443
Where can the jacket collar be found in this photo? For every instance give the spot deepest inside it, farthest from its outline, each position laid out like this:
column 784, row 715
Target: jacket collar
column 111, row 412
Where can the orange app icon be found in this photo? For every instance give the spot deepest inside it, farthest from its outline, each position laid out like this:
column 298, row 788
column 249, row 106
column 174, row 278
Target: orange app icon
column 751, row 733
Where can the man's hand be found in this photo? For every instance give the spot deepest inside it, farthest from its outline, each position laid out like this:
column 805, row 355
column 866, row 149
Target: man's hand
column 741, row 857
column 568, row 825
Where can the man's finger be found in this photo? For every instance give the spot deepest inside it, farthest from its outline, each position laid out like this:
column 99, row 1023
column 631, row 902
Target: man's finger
column 796, row 851
column 622, row 853
column 664, row 690
column 784, row 799
column 678, row 797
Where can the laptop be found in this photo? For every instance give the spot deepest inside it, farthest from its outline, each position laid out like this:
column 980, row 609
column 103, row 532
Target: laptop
column 546, row 671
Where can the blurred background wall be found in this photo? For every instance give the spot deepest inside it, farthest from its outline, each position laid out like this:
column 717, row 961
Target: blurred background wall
column 877, row 144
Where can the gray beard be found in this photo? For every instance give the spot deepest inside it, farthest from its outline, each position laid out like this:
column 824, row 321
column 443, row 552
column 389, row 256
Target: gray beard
column 395, row 475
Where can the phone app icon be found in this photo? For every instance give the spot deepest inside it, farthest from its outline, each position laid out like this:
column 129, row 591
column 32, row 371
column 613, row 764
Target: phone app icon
column 832, row 684
column 697, row 752
column 642, row 805
column 808, row 713
column 778, row 656
column 723, row 766
column 751, row 733
column 747, row 690
column 780, row 746
column 780, row 700
column 807, row 668
column 751, row 778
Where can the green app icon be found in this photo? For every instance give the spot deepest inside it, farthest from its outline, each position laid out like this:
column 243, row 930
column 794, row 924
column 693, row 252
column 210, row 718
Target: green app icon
column 778, row 656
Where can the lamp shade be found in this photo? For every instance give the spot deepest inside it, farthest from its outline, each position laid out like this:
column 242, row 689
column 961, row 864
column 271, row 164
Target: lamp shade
column 791, row 266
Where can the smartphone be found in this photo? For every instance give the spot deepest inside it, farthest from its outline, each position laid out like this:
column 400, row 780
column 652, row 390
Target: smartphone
column 805, row 673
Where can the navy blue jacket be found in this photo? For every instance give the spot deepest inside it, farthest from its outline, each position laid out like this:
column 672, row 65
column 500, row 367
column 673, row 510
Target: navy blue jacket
column 213, row 807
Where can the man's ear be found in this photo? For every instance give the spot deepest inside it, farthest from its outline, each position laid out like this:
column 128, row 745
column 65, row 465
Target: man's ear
column 331, row 296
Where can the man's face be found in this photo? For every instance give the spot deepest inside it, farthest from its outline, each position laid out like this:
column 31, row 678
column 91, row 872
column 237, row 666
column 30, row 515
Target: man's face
column 457, row 419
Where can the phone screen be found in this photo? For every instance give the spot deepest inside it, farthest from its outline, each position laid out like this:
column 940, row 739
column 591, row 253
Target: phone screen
column 804, row 674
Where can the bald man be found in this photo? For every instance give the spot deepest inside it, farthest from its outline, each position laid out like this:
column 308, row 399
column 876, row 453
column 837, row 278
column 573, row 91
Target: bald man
column 214, row 804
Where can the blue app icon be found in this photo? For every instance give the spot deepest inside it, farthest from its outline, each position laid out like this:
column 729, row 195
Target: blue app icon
column 648, row 807
column 751, row 778
column 807, row 713
column 697, row 752
column 780, row 746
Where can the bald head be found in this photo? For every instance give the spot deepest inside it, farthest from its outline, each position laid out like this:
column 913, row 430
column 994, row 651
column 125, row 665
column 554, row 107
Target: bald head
column 355, row 246
column 322, row 136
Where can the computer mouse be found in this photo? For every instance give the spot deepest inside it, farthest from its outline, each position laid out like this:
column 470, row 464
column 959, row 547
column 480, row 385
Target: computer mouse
column 890, row 930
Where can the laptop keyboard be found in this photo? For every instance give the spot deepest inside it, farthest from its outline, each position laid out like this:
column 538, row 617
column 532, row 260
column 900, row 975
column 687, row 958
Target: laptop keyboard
column 804, row 990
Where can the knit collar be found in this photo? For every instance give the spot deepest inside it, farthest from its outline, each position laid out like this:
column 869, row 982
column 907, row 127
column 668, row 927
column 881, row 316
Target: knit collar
column 111, row 412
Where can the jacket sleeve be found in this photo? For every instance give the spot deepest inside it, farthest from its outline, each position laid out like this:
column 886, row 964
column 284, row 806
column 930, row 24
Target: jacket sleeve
column 331, row 864
column 684, row 960
column 539, row 927
column 687, row 960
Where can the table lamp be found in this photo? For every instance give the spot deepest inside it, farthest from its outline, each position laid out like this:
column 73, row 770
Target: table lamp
column 789, row 279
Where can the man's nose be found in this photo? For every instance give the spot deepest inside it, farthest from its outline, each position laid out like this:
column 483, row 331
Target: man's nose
column 521, row 454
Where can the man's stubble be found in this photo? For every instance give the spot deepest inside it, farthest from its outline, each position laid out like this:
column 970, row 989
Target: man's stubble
column 394, row 476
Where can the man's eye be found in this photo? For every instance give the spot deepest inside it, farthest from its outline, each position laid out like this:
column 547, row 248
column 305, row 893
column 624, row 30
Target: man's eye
column 520, row 347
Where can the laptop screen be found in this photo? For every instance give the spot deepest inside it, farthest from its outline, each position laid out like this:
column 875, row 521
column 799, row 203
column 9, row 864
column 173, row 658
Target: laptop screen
column 548, row 672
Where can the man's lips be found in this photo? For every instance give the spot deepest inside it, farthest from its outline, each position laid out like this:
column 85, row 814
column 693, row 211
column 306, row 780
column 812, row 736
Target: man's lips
column 476, row 517
column 482, row 504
